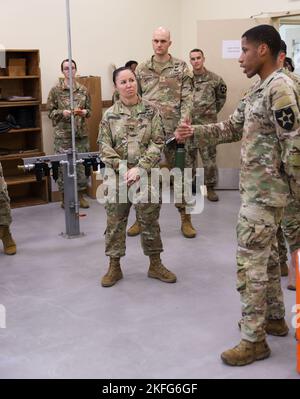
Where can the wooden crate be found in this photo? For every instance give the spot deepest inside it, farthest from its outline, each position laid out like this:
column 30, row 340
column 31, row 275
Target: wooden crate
column 17, row 66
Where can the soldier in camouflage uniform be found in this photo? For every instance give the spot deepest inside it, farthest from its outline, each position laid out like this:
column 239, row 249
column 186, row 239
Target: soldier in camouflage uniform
column 267, row 120
column 59, row 111
column 291, row 217
column 167, row 83
column 9, row 244
column 209, row 98
column 131, row 130
column 282, row 252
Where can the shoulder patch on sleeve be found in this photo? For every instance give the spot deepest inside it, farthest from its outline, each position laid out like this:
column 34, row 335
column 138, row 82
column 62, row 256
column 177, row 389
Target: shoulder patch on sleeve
column 285, row 118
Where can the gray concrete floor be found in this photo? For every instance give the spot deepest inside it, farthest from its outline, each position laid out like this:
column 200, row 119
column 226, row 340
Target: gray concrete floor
column 60, row 323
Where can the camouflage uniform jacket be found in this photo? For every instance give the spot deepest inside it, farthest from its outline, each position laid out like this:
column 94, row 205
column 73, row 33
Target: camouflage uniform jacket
column 133, row 133
column 59, row 100
column 268, row 122
column 209, row 97
column 171, row 90
column 295, row 78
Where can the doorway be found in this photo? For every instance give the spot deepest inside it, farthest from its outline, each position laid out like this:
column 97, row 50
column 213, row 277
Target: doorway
column 289, row 28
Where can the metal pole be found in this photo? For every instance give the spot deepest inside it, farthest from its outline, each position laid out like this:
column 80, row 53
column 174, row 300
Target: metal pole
column 74, row 171
column 71, row 218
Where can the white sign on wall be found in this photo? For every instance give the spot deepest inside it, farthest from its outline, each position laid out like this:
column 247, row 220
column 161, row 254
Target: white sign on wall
column 231, row 49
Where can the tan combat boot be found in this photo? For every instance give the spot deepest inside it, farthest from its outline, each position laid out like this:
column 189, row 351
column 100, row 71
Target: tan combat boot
column 211, row 194
column 82, row 201
column 9, row 245
column 113, row 274
column 134, row 230
column 186, row 225
column 246, row 352
column 284, row 270
column 278, row 328
column 159, row 271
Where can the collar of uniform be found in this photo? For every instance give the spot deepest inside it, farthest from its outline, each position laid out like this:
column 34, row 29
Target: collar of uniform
column 260, row 86
column 63, row 86
column 169, row 64
column 120, row 108
column 203, row 76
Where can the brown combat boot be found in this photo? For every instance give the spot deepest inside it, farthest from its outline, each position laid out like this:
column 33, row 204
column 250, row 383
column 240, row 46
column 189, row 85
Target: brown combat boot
column 159, row 271
column 211, row 194
column 134, row 230
column 278, row 328
column 186, row 225
column 82, row 201
column 284, row 270
column 246, row 353
column 9, row 245
column 113, row 274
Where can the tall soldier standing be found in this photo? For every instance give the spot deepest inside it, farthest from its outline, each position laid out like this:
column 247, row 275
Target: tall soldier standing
column 210, row 92
column 291, row 218
column 59, row 112
column 167, row 82
column 268, row 121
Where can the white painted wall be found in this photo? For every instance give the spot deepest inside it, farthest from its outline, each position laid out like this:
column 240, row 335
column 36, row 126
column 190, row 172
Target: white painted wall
column 103, row 32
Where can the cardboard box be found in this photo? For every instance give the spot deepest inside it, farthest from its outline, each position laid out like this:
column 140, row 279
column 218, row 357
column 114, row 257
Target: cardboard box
column 93, row 85
column 17, row 67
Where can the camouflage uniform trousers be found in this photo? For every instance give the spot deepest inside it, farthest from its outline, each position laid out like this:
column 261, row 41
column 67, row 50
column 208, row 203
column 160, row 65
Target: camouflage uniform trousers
column 5, row 215
column 291, row 224
column 82, row 145
column 209, row 159
column 282, row 251
column 208, row 155
column 147, row 215
column 190, row 162
column 258, row 270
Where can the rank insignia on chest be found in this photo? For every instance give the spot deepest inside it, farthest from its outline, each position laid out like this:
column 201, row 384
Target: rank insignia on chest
column 162, row 79
column 285, row 118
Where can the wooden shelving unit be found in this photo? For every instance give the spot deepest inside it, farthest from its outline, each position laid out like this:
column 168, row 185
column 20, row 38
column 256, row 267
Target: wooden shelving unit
column 18, row 77
column 25, row 141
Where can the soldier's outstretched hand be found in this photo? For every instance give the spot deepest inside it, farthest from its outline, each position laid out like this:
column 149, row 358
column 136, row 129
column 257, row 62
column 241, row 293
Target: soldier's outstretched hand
column 183, row 132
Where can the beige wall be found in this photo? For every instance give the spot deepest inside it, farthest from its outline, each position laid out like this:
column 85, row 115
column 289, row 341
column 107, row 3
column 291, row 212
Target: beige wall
column 194, row 10
column 106, row 32
column 103, row 32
